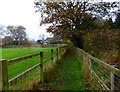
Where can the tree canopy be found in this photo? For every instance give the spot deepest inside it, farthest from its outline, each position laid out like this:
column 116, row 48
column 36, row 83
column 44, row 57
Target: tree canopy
column 73, row 20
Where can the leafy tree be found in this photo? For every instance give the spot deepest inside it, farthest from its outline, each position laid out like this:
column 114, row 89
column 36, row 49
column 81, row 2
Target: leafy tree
column 17, row 33
column 117, row 27
column 72, row 20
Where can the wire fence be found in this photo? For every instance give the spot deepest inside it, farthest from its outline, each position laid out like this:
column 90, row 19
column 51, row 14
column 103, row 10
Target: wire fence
column 101, row 74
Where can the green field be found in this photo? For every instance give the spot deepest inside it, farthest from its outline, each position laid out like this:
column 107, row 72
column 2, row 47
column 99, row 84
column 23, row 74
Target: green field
column 19, row 67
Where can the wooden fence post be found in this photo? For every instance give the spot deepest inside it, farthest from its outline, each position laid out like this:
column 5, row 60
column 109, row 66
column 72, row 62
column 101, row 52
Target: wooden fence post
column 63, row 49
column 52, row 54
column 57, row 53
column 41, row 68
column 3, row 75
column 112, row 80
column 90, row 68
column 60, row 50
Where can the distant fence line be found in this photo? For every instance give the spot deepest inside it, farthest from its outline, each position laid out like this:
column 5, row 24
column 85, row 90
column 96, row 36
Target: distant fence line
column 31, row 45
column 105, row 76
column 5, row 83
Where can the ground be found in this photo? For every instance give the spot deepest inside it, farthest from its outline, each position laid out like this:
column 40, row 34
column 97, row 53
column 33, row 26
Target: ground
column 66, row 74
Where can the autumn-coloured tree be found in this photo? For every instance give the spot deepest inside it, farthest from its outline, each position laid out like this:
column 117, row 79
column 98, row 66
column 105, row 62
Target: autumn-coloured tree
column 73, row 20
column 117, row 27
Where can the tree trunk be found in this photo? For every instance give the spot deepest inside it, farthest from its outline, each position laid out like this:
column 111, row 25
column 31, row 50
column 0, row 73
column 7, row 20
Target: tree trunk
column 77, row 41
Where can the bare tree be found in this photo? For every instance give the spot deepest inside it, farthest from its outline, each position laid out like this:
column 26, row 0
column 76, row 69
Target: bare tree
column 3, row 32
column 17, row 33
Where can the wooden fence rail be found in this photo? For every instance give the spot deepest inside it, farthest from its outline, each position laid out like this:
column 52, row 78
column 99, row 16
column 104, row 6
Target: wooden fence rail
column 22, row 58
column 4, row 82
column 109, row 81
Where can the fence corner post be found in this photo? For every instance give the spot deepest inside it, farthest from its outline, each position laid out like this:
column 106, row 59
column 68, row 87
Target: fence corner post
column 41, row 68
column 3, row 75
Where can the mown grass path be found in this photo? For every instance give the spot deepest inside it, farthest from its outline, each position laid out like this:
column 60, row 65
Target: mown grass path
column 66, row 74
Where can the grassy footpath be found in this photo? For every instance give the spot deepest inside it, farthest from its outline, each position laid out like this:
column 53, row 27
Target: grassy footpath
column 66, row 74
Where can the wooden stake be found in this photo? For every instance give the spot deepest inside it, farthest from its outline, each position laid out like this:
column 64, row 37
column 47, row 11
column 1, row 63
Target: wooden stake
column 41, row 68
column 52, row 54
column 3, row 75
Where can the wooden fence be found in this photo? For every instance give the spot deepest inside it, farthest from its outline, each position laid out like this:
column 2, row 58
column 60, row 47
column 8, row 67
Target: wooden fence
column 105, row 76
column 5, row 83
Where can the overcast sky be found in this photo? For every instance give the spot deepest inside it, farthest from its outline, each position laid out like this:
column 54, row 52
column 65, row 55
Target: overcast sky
column 22, row 12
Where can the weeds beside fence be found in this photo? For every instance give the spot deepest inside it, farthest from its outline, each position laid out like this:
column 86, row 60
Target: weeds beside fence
column 100, row 75
column 5, row 82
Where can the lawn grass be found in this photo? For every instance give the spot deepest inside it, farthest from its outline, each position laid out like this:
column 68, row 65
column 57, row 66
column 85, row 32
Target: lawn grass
column 65, row 75
column 19, row 67
column 10, row 53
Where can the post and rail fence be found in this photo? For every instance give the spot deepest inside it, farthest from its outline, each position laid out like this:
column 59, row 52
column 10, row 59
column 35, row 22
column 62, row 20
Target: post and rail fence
column 103, row 75
column 5, row 83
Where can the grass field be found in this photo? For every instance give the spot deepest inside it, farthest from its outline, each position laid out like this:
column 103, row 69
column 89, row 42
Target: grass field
column 18, row 67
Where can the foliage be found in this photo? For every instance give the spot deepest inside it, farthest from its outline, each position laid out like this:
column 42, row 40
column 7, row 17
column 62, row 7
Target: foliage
column 102, row 41
column 73, row 20
column 103, row 45
column 105, row 41
column 87, row 25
